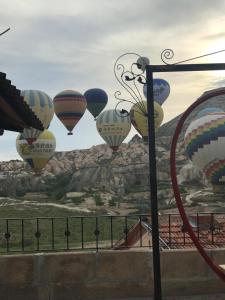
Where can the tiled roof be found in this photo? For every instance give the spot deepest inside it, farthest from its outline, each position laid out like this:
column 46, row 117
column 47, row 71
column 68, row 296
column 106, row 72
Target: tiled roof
column 15, row 114
column 176, row 237
column 209, row 229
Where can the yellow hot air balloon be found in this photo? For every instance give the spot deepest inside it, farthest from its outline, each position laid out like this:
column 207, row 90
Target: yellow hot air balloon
column 38, row 154
column 139, row 119
column 42, row 105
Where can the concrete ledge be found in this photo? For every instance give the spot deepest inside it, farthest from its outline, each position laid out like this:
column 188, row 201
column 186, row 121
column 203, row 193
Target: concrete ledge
column 109, row 275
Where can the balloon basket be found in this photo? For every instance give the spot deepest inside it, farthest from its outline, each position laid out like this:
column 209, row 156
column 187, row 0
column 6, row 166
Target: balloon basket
column 69, row 133
column 114, row 149
column 30, row 141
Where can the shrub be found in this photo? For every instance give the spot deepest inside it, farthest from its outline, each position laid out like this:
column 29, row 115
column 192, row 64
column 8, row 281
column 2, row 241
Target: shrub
column 98, row 200
column 112, row 202
column 58, row 185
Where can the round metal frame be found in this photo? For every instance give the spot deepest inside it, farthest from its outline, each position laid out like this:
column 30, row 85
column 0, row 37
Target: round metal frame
column 212, row 264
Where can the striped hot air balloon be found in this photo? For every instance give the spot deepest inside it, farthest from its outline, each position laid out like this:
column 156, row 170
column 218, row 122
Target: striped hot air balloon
column 41, row 104
column 96, row 101
column 205, row 144
column 38, row 154
column 69, row 107
column 208, row 110
column 113, row 127
column 139, row 119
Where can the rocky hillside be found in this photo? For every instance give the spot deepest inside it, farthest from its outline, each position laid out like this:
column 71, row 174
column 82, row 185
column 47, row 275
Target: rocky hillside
column 95, row 179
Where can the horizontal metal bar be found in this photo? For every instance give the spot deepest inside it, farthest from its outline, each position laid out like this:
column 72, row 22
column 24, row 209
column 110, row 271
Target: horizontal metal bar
column 186, row 67
column 76, row 217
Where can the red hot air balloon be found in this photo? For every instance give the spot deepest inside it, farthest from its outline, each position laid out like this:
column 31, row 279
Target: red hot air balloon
column 69, row 107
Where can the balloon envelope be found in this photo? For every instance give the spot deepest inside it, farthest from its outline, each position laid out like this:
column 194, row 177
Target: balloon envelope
column 161, row 90
column 38, row 154
column 205, row 144
column 208, row 110
column 139, row 119
column 69, row 107
column 96, row 101
column 113, row 127
column 142, row 62
column 41, row 104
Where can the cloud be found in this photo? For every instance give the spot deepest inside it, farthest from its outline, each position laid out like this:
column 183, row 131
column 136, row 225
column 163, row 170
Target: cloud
column 215, row 36
column 55, row 45
column 217, row 83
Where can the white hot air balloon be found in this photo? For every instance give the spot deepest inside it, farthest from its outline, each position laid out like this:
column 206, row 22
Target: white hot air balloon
column 113, row 127
column 205, row 144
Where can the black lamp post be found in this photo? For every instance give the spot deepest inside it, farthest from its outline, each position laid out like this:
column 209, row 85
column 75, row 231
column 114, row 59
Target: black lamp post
column 129, row 79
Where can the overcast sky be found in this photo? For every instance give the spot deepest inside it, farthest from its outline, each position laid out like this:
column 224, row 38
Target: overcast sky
column 56, row 45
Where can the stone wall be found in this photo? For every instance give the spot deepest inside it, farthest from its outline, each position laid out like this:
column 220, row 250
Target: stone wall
column 107, row 275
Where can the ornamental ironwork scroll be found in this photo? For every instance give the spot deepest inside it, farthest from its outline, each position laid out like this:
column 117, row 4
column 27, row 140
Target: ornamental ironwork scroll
column 130, row 79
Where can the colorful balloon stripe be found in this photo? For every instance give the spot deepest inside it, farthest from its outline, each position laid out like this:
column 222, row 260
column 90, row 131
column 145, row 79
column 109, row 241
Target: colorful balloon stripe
column 77, row 99
column 70, row 114
column 216, row 171
column 69, row 107
column 214, row 167
column 211, row 131
column 205, row 144
column 199, row 128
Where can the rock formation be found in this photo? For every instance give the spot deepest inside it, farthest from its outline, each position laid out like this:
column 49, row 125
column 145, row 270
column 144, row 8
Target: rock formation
column 99, row 172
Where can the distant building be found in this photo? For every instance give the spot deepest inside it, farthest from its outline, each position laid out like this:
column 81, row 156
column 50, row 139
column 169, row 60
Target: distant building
column 136, row 139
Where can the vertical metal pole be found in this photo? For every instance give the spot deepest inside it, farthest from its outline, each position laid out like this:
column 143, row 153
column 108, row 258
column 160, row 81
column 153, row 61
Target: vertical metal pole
column 153, row 185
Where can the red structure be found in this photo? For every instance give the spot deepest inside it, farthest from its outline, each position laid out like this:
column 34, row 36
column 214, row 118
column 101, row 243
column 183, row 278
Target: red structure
column 214, row 266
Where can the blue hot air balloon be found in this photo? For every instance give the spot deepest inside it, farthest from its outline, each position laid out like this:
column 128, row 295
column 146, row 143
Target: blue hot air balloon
column 96, row 101
column 161, row 90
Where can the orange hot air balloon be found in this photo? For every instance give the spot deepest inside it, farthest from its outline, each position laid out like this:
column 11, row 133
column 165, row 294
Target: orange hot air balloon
column 69, row 106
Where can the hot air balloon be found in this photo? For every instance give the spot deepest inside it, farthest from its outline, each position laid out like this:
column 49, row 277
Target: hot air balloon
column 38, row 154
column 96, row 101
column 205, row 144
column 139, row 119
column 161, row 90
column 113, row 127
column 42, row 106
column 208, row 110
column 142, row 62
column 69, row 107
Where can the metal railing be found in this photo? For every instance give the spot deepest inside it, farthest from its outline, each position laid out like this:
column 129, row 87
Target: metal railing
column 106, row 232
column 209, row 228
